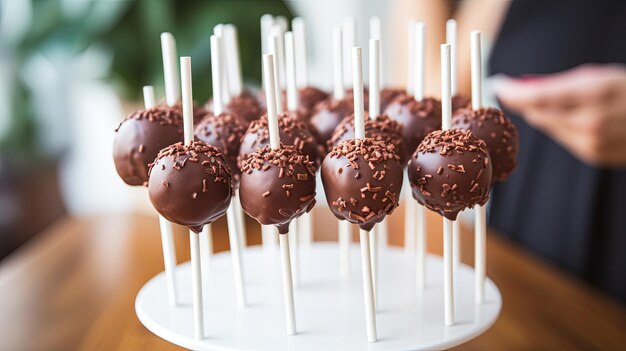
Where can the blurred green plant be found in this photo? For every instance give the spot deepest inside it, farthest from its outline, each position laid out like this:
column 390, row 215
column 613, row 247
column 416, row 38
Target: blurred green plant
column 130, row 31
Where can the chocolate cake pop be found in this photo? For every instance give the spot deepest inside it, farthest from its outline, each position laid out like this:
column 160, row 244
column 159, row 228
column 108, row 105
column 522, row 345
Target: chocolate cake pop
column 198, row 111
column 460, row 102
column 292, row 132
column 362, row 180
column 387, row 95
column 277, row 185
column 244, row 106
column 224, row 132
column 498, row 132
column 310, row 96
column 190, row 184
column 140, row 137
column 418, row 118
column 450, row 171
column 327, row 116
column 382, row 128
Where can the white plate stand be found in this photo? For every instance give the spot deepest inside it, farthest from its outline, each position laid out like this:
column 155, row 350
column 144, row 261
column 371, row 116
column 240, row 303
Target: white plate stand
column 329, row 309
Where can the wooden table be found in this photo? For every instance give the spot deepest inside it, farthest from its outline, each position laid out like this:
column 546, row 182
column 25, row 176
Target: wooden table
column 74, row 287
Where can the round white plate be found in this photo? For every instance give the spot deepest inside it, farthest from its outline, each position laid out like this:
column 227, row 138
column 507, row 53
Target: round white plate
column 330, row 311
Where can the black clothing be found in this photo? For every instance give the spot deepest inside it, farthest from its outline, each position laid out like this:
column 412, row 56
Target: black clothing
column 570, row 213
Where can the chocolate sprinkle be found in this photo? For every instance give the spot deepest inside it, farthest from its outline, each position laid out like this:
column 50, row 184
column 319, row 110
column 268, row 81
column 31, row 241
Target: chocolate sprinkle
column 366, row 157
column 446, row 181
column 280, row 171
column 498, row 132
column 139, row 138
column 197, row 192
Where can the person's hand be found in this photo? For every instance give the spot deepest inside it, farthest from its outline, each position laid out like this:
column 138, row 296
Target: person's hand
column 583, row 109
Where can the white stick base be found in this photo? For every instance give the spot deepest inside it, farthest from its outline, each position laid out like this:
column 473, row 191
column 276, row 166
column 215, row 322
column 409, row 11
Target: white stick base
column 330, row 308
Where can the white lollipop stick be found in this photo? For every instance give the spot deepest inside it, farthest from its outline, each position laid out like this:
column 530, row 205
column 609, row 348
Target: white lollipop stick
column 206, row 247
column 359, row 133
column 480, row 213
column 477, row 71
column 456, row 243
column 290, row 62
column 231, row 215
column 420, row 61
column 411, row 207
column 345, row 237
column 149, row 100
column 410, row 60
column 376, row 33
column 382, row 232
column 446, row 122
column 276, row 51
column 299, row 32
column 279, row 57
column 297, row 26
column 451, row 39
column 267, row 22
column 349, row 41
column 194, row 239
column 282, row 22
column 235, row 78
column 339, row 91
column 374, row 111
column 357, row 86
column 294, row 241
column 241, row 222
column 235, row 252
column 418, row 93
column 305, row 227
column 268, row 238
column 410, row 226
column 368, row 287
column 292, row 106
column 218, row 31
column 290, row 311
column 420, row 245
column 374, row 263
column 170, row 69
column 374, row 87
column 167, row 236
column 270, row 93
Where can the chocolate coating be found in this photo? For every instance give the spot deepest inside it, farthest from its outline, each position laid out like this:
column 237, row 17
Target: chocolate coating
column 418, row 118
column 292, row 131
column 382, row 128
column 307, row 99
column 498, row 132
column 140, row 137
column 245, row 106
column 450, row 171
column 198, row 111
column 387, row 95
column 460, row 102
column 190, row 184
column 277, row 186
column 311, row 96
column 224, row 132
column 327, row 116
column 362, row 180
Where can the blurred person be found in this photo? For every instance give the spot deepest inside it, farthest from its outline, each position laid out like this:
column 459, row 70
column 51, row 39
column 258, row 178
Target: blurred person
column 559, row 71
